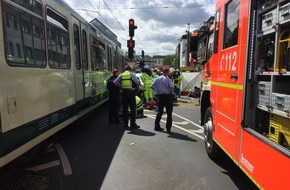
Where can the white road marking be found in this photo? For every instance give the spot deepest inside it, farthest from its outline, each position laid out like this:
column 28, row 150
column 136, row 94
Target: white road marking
column 190, row 131
column 181, row 122
column 44, row 166
column 65, row 163
column 187, row 131
column 197, row 131
column 195, row 124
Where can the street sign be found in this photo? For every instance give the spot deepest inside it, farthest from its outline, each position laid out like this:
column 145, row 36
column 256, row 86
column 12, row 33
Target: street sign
column 131, row 64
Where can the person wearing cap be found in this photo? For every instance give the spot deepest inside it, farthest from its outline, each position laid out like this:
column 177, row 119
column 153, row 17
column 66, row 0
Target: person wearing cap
column 128, row 82
column 164, row 87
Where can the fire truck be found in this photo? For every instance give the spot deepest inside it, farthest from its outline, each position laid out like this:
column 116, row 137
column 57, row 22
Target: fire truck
column 245, row 104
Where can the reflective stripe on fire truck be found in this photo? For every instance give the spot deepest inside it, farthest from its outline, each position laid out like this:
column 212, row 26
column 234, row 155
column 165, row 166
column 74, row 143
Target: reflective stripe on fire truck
column 227, row 85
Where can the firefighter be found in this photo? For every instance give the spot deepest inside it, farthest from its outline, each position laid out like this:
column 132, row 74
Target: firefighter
column 177, row 82
column 156, row 73
column 147, row 80
column 128, row 82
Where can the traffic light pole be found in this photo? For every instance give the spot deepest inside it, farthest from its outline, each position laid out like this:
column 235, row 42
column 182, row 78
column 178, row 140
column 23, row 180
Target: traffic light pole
column 142, row 61
column 187, row 47
column 131, row 42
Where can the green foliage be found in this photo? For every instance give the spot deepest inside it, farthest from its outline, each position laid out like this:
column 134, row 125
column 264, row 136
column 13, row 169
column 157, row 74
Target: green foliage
column 171, row 60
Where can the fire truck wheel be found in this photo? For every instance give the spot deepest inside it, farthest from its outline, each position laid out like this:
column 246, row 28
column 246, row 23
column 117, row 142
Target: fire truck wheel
column 211, row 147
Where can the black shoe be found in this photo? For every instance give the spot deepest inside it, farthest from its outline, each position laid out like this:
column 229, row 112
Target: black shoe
column 158, row 129
column 135, row 126
column 168, row 130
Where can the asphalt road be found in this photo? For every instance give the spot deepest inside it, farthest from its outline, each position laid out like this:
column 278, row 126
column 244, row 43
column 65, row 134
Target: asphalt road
column 105, row 156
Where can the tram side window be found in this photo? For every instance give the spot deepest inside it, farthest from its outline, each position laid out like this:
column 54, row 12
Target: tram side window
column 231, row 24
column 102, row 56
column 85, row 50
column 94, row 47
column 24, row 38
column 110, row 58
column 32, row 5
column 77, row 47
column 98, row 58
column 57, row 41
column 115, row 58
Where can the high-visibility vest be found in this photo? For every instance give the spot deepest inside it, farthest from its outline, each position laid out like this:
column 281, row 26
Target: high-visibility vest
column 126, row 80
column 147, row 80
column 139, row 103
column 179, row 80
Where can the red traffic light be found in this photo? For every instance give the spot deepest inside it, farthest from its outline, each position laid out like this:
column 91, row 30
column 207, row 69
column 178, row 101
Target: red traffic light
column 132, row 27
column 130, row 43
column 131, row 22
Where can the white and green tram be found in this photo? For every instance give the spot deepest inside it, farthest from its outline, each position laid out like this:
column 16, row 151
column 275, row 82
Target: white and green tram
column 53, row 70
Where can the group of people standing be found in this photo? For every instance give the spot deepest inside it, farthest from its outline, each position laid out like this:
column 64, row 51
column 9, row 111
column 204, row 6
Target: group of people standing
column 125, row 86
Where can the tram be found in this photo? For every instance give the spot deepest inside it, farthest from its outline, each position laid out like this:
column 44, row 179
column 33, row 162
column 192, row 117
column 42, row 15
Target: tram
column 53, row 70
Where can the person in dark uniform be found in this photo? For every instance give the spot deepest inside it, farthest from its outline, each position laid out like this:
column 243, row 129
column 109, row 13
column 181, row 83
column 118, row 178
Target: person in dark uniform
column 164, row 87
column 114, row 98
column 129, row 83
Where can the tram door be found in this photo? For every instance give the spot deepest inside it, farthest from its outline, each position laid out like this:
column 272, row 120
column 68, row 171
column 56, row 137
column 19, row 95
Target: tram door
column 78, row 60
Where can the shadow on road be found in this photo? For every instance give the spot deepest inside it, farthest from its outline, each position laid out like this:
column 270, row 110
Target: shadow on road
column 235, row 173
column 141, row 132
column 181, row 137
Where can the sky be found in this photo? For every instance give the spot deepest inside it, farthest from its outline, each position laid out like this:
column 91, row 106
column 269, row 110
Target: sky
column 161, row 23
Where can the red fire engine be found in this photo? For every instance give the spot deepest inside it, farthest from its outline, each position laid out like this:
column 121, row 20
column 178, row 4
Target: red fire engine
column 245, row 104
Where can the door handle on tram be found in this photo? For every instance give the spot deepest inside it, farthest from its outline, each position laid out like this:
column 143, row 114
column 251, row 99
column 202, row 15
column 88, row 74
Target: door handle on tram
column 234, row 76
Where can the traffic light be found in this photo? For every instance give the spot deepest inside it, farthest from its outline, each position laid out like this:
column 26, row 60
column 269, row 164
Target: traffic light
column 132, row 27
column 142, row 61
column 130, row 45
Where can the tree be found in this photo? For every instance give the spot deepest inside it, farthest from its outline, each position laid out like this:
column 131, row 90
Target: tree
column 169, row 60
column 176, row 62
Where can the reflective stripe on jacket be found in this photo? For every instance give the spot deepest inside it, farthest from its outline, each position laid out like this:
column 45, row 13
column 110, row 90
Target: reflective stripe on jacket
column 139, row 103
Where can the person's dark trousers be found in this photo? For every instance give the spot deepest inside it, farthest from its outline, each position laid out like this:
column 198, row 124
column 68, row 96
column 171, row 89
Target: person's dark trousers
column 114, row 105
column 164, row 100
column 128, row 100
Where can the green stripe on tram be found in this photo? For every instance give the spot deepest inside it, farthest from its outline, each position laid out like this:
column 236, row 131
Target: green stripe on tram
column 15, row 138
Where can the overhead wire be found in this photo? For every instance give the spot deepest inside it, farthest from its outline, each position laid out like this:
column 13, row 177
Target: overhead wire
column 103, row 18
column 123, row 30
column 168, row 7
column 95, row 10
column 136, row 46
column 131, row 8
column 113, row 15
